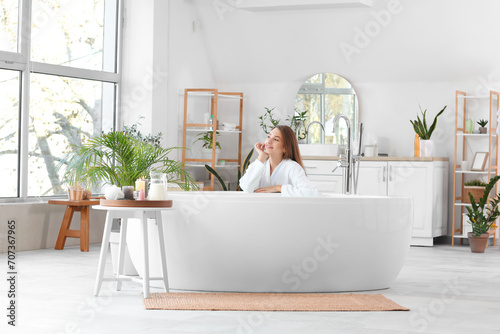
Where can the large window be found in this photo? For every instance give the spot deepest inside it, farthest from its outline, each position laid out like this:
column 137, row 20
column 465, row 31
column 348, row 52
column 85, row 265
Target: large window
column 58, row 83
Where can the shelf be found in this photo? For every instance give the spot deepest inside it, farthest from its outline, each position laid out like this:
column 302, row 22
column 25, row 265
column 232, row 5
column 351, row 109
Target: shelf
column 462, row 204
column 461, row 236
column 213, row 96
column 201, row 164
column 470, row 172
column 201, row 129
column 210, row 94
column 473, row 96
column 486, row 135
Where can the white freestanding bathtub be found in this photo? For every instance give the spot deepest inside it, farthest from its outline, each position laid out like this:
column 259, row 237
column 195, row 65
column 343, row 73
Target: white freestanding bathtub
column 232, row 241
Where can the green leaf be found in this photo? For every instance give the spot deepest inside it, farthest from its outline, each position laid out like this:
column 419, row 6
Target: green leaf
column 434, row 123
column 214, row 172
column 246, row 162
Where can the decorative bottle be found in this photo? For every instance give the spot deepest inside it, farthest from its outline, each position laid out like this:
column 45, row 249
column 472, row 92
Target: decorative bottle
column 417, row 145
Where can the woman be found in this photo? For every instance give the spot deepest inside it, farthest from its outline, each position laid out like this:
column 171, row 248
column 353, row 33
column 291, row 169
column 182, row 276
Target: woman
column 278, row 169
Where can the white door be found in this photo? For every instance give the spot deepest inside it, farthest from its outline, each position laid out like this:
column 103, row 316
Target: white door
column 372, row 178
column 414, row 179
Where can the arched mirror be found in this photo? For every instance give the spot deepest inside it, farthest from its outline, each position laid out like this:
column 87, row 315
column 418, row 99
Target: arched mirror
column 325, row 95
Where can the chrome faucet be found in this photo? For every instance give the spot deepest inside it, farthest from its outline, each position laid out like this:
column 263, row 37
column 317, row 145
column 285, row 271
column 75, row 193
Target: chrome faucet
column 307, row 131
column 349, row 160
column 345, row 161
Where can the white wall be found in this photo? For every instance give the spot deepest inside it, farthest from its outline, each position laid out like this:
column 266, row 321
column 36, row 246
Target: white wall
column 188, row 64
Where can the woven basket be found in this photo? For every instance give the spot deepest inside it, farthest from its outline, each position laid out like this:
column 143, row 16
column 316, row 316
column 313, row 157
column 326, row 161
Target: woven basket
column 477, row 193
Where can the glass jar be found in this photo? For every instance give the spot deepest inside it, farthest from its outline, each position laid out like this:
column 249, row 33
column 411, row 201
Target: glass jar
column 158, row 187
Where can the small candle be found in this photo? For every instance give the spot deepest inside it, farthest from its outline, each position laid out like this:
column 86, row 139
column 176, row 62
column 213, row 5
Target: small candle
column 140, row 184
column 142, row 195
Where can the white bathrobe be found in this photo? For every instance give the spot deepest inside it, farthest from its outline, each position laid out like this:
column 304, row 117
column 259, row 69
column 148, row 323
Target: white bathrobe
column 289, row 174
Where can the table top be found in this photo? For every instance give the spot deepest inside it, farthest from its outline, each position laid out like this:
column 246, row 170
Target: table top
column 75, row 203
column 126, row 208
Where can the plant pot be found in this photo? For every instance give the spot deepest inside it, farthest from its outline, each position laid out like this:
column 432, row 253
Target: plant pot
column 206, row 153
column 426, row 148
column 478, row 244
column 75, row 194
column 482, row 130
column 477, row 193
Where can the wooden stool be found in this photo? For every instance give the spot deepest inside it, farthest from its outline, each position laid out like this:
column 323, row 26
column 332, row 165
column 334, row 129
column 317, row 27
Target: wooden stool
column 83, row 233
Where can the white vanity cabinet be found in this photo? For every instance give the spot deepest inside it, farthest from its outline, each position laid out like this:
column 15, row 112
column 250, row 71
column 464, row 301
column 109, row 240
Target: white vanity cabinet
column 320, row 174
column 426, row 180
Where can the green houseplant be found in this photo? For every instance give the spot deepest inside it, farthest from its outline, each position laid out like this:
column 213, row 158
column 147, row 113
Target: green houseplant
column 420, row 125
column 482, row 216
column 241, row 171
column 120, row 158
column 482, row 123
column 297, row 122
column 424, row 133
column 207, row 138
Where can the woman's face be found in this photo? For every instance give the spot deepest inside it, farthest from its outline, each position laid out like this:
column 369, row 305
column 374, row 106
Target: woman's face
column 274, row 143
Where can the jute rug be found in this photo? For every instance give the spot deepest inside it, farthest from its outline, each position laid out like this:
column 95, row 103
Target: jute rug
column 270, row 302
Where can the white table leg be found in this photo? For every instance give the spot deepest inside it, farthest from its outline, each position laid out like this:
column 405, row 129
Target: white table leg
column 145, row 278
column 104, row 252
column 162, row 250
column 121, row 252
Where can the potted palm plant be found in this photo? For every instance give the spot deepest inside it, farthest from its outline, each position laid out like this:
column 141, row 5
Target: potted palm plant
column 120, row 158
column 482, row 216
column 424, row 133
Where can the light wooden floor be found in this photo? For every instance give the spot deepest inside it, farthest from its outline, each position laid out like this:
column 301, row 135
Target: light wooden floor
column 448, row 289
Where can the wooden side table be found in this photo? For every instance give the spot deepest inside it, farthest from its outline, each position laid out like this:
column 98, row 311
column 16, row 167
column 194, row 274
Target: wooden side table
column 72, row 206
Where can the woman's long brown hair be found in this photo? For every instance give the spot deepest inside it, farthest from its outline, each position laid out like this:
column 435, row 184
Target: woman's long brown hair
column 290, row 144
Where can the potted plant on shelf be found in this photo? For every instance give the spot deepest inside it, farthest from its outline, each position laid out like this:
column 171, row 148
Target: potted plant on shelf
column 475, row 188
column 482, row 217
column 296, row 122
column 120, row 158
column 482, row 126
column 207, row 138
column 424, row 133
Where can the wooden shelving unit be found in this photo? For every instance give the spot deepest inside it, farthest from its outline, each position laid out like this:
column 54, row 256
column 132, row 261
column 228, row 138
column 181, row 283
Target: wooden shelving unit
column 214, row 95
column 461, row 140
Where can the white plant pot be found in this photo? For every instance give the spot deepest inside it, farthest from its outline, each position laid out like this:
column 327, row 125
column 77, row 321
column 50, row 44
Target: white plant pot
column 426, row 148
column 206, row 153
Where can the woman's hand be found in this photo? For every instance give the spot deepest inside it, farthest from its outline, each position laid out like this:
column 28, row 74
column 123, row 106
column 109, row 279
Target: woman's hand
column 271, row 189
column 260, row 148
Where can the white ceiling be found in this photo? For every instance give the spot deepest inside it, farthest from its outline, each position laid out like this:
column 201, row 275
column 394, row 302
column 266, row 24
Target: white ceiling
column 428, row 40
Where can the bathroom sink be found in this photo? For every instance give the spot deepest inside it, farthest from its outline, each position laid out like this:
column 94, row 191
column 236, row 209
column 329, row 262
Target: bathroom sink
column 319, row 149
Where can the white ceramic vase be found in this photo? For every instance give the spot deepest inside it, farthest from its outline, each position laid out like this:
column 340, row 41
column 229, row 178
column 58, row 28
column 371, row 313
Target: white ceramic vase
column 426, row 148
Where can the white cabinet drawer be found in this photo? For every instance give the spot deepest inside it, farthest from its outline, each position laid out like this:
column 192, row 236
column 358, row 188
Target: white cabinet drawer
column 321, row 167
column 327, row 183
